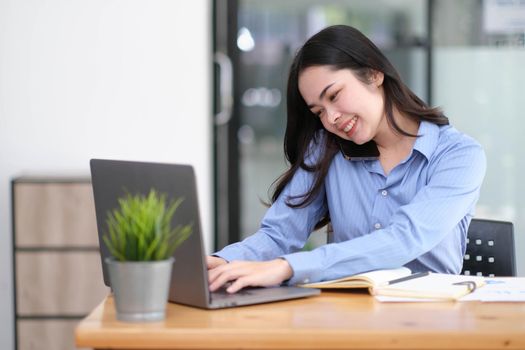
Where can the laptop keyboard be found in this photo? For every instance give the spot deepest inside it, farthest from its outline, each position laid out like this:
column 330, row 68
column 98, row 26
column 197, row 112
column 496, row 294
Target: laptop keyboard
column 222, row 294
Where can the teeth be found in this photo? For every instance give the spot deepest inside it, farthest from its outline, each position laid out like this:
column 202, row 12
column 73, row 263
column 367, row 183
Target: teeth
column 350, row 125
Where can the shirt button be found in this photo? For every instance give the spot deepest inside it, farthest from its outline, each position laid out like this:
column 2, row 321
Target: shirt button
column 384, row 193
column 306, row 280
column 377, row 226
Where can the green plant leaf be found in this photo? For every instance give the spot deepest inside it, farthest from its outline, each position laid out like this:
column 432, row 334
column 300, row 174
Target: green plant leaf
column 140, row 228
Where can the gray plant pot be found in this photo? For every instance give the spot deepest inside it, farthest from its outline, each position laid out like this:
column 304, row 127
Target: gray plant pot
column 140, row 289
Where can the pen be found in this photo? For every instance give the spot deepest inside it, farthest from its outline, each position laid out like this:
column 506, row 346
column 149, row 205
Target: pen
column 412, row 276
column 471, row 285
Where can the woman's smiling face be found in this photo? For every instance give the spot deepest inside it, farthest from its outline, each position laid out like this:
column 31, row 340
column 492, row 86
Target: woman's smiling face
column 346, row 106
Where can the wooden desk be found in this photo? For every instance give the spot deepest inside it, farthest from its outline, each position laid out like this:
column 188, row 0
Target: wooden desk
column 334, row 320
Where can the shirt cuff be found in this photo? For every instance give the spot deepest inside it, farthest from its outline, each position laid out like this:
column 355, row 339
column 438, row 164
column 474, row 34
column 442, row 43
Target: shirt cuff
column 218, row 256
column 223, row 256
column 231, row 252
column 303, row 269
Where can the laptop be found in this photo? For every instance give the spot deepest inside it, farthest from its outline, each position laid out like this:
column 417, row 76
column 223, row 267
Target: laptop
column 111, row 179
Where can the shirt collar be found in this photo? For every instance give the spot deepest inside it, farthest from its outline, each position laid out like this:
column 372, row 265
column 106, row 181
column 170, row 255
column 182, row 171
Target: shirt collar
column 428, row 138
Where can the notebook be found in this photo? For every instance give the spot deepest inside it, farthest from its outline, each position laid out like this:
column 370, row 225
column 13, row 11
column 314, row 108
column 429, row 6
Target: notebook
column 368, row 280
column 112, row 179
column 429, row 285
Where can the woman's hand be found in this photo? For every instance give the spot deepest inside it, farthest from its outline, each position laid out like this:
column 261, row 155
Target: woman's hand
column 214, row 261
column 248, row 273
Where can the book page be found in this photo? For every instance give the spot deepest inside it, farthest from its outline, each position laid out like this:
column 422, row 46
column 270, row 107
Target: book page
column 363, row 280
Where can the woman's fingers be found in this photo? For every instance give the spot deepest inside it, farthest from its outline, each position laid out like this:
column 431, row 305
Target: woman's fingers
column 223, row 274
column 249, row 273
column 239, row 284
column 214, row 261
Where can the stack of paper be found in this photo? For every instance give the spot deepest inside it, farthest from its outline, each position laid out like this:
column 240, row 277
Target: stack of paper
column 437, row 286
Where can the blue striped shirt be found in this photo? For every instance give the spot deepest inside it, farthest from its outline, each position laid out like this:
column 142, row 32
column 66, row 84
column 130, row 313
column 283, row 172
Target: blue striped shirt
column 417, row 216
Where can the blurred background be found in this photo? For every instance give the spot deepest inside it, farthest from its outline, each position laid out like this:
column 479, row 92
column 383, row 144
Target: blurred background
column 203, row 82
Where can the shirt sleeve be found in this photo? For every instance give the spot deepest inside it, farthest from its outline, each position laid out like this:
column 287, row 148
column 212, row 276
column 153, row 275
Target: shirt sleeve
column 451, row 192
column 283, row 230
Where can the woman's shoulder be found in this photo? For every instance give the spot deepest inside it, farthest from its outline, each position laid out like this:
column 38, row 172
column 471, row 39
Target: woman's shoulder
column 451, row 143
column 449, row 136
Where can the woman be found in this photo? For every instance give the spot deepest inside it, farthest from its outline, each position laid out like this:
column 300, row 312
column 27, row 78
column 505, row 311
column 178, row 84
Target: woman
column 396, row 181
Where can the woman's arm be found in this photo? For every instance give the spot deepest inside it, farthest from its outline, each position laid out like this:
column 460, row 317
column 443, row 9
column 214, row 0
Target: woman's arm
column 414, row 229
column 283, row 230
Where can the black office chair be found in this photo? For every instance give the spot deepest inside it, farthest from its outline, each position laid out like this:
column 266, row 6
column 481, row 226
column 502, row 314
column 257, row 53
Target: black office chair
column 490, row 249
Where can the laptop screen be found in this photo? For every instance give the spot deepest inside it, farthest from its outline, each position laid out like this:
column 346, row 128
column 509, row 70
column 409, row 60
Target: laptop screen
column 112, row 179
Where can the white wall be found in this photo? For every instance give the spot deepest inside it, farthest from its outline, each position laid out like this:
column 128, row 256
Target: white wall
column 126, row 79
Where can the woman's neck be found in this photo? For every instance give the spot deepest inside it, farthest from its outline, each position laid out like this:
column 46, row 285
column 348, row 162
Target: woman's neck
column 393, row 146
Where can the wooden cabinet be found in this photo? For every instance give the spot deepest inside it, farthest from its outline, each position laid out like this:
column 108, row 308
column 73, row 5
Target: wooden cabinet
column 56, row 260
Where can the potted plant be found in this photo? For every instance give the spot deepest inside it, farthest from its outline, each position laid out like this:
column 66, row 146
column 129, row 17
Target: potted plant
column 141, row 241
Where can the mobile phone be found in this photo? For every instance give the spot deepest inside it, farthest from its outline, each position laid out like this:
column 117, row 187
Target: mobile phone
column 355, row 152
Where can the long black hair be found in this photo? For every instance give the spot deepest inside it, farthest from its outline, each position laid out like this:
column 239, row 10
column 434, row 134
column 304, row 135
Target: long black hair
column 339, row 47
